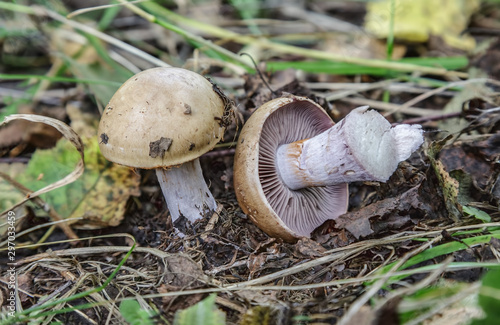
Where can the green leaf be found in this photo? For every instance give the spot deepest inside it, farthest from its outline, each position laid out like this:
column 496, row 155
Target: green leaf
column 489, row 299
column 133, row 313
column 426, row 298
column 440, row 250
column 476, row 213
column 330, row 67
column 203, row 313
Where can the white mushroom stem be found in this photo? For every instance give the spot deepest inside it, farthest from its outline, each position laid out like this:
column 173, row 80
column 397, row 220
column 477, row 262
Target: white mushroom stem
column 361, row 147
column 185, row 191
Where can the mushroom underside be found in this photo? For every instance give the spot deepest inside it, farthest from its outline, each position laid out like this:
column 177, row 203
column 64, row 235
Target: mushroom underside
column 305, row 209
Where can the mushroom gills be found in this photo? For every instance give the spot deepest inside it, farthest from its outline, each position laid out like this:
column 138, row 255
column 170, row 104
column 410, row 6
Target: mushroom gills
column 304, row 209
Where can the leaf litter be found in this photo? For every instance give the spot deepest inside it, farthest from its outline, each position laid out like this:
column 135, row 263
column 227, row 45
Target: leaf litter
column 259, row 279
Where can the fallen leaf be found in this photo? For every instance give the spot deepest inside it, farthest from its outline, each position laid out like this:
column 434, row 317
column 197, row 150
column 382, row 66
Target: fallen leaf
column 415, row 21
column 469, row 158
column 255, row 263
column 471, row 91
column 182, row 272
column 390, row 213
column 104, row 204
column 308, row 248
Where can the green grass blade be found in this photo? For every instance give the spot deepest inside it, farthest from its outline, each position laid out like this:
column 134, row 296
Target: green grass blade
column 341, row 68
column 441, row 250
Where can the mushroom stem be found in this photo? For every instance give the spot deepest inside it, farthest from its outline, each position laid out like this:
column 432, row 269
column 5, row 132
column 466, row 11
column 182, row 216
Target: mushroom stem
column 185, row 191
column 361, row 147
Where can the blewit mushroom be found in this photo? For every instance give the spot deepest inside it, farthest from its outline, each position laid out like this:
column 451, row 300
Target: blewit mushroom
column 292, row 163
column 164, row 119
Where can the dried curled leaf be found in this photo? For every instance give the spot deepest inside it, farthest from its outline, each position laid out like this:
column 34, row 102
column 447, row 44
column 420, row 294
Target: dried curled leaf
column 385, row 214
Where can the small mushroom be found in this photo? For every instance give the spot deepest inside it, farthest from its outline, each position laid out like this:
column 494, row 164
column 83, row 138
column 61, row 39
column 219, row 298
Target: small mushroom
column 292, row 163
column 164, row 119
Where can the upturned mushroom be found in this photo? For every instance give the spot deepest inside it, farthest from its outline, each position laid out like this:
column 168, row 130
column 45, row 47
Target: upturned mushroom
column 164, row 119
column 292, row 163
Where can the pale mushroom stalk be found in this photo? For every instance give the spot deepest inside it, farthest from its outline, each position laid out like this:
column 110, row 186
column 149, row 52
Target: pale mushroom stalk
column 185, row 191
column 361, row 147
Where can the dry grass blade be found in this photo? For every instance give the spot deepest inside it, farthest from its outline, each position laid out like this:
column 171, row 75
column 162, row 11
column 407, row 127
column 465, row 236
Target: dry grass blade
column 406, row 106
column 111, row 40
column 69, row 134
column 56, row 219
column 417, row 286
column 372, row 290
column 87, row 10
column 383, row 106
column 281, row 48
column 356, row 88
column 93, row 250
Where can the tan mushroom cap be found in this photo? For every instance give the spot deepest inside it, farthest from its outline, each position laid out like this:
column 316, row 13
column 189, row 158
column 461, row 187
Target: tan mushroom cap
column 277, row 210
column 162, row 117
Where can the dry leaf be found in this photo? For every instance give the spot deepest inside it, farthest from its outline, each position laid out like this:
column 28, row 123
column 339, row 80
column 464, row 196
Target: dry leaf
column 390, row 213
column 416, row 20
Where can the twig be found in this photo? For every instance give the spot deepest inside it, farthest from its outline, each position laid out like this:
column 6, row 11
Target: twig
column 421, row 120
column 411, row 102
column 417, row 111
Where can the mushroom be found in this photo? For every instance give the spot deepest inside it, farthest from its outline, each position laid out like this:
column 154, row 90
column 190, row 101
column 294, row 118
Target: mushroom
column 164, row 119
column 292, row 163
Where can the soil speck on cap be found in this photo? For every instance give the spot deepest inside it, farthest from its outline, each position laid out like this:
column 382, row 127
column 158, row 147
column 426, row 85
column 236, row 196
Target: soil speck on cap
column 159, row 147
column 104, row 138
